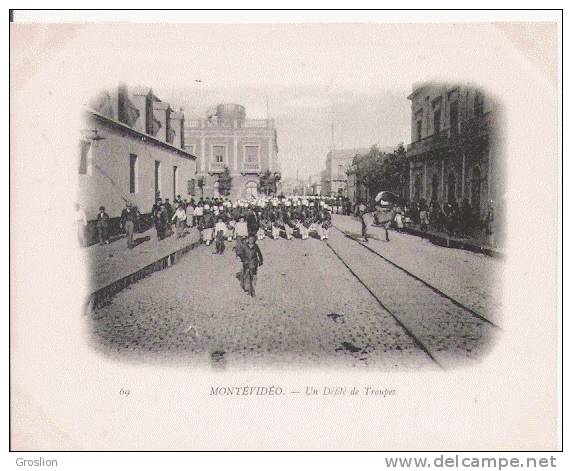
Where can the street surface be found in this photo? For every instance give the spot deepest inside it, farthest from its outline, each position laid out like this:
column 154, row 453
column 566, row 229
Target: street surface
column 323, row 304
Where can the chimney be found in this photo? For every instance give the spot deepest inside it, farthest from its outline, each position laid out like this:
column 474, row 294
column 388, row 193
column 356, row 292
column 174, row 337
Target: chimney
column 177, row 125
column 140, row 97
column 162, row 112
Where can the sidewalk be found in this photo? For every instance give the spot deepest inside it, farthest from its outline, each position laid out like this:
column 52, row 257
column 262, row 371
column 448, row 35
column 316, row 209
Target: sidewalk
column 444, row 240
column 465, row 243
column 113, row 267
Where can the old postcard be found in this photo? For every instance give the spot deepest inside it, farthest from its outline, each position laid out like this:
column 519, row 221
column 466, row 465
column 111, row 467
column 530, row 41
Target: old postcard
column 285, row 233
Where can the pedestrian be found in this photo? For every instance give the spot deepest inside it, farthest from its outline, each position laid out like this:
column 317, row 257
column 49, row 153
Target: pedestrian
column 81, row 225
column 207, row 226
column 128, row 221
column 219, row 230
column 361, row 214
column 251, row 258
column 180, row 218
column 190, row 211
column 102, row 225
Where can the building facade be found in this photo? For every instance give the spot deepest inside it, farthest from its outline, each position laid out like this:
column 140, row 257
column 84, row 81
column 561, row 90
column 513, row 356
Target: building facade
column 227, row 139
column 130, row 149
column 453, row 150
column 334, row 177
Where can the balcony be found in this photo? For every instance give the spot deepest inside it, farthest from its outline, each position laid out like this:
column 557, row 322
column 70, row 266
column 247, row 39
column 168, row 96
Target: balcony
column 435, row 142
column 472, row 130
column 251, row 168
column 216, row 167
column 224, row 123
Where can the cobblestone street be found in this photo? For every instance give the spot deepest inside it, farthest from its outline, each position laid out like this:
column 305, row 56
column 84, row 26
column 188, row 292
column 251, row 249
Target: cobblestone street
column 310, row 310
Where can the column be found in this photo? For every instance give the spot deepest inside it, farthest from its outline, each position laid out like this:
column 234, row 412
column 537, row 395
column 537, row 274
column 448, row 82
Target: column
column 463, row 178
column 270, row 159
column 443, row 180
column 235, row 153
column 410, row 181
column 489, row 174
column 424, row 181
column 203, row 154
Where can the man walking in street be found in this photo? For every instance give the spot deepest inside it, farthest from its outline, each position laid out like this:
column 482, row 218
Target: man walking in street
column 251, row 258
column 361, row 214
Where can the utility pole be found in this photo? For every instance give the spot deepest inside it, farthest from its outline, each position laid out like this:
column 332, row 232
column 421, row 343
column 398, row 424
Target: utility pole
column 332, row 146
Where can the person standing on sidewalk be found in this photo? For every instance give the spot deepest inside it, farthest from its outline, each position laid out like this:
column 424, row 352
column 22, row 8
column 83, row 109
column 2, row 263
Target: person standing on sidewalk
column 128, row 221
column 102, row 226
column 81, row 225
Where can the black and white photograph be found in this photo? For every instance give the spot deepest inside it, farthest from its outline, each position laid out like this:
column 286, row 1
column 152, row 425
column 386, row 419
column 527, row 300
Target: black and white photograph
column 353, row 216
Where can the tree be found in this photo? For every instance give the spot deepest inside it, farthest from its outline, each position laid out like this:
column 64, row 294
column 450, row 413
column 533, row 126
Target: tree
column 201, row 185
column 224, row 182
column 378, row 171
column 268, row 182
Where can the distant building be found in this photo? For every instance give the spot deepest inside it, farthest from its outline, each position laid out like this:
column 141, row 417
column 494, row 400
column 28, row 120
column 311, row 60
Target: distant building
column 334, row 177
column 131, row 149
column 247, row 147
column 453, row 150
column 315, row 184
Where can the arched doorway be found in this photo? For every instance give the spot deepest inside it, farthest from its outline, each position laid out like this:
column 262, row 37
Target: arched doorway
column 251, row 190
column 451, row 188
column 476, row 189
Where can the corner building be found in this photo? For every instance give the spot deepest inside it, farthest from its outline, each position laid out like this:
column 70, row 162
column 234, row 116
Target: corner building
column 248, row 147
column 454, row 151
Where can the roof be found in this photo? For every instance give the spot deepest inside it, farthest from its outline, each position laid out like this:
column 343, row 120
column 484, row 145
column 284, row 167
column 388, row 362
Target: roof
column 140, row 134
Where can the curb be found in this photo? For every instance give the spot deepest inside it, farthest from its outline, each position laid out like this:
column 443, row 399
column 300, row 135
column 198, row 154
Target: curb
column 454, row 243
column 103, row 296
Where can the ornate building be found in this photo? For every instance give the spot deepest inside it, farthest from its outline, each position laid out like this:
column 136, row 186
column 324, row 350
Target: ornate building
column 453, row 150
column 227, row 139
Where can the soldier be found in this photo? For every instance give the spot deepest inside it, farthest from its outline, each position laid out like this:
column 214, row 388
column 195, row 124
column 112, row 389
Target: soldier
column 208, row 225
column 180, row 218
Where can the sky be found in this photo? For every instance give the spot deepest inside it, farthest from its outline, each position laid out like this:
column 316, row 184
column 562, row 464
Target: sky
column 354, row 75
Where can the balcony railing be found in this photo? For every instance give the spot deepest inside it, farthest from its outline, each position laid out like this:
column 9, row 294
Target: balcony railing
column 216, row 167
column 471, row 129
column 251, row 167
column 230, row 123
column 436, row 141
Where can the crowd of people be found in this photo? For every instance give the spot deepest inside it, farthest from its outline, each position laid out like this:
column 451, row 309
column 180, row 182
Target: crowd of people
column 220, row 219
column 460, row 220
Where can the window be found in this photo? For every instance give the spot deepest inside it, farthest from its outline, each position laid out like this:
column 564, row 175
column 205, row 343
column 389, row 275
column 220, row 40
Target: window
column 132, row 173
column 175, row 174
column 437, row 121
column 251, row 154
column 419, row 125
column 218, row 154
column 479, row 104
column 157, row 179
column 191, row 187
column 84, row 147
column 454, row 117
